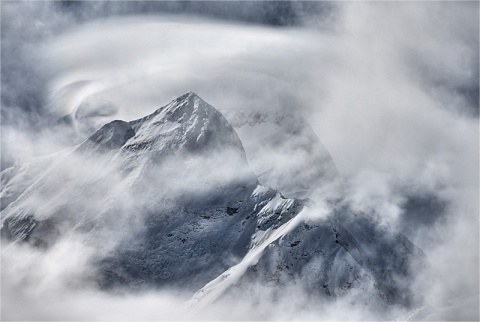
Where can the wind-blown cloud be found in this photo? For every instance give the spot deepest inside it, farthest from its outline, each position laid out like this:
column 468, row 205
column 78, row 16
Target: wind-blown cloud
column 391, row 89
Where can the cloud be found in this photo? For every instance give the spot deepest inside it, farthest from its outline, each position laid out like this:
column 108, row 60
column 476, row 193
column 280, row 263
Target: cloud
column 391, row 90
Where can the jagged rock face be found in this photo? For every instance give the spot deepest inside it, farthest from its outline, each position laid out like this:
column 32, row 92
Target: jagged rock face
column 363, row 255
column 342, row 255
column 169, row 200
column 186, row 247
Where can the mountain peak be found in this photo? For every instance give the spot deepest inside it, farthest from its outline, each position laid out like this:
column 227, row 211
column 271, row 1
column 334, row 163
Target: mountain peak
column 186, row 123
column 179, row 109
column 189, row 100
column 188, row 96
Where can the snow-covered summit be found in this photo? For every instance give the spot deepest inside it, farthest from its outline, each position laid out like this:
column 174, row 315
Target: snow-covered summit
column 185, row 123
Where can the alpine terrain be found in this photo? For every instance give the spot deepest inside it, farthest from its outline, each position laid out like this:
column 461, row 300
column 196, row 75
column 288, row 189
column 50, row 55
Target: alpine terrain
column 177, row 200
